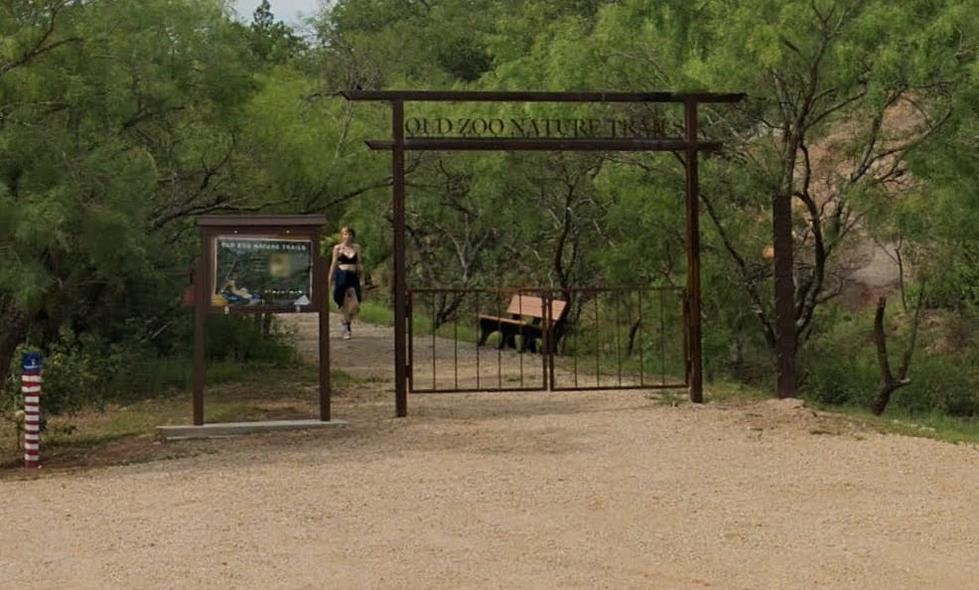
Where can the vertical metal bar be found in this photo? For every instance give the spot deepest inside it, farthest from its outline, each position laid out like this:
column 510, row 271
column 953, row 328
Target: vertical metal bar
column 628, row 322
column 642, row 360
column 598, row 351
column 682, row 300
column 411, row 340
column 398, row 213
column 618, row 347
column 662, row 339
column 434, row 378
column 693, row 252
column 685, row 311
column 202, row 288
column 499, row 349
column 522, row 341
column 321, row 305
column 576, row 343
column 547, row 340
column 455, row 342
column 478, row 338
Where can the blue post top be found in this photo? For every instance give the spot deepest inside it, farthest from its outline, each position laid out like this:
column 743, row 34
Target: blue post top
column 31, row 361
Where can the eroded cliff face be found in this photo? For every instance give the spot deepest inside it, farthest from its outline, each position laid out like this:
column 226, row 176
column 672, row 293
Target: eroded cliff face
column 863, row 267
column 870, row 270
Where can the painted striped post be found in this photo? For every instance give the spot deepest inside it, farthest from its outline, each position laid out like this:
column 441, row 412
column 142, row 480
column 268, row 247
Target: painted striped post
column 31, row 388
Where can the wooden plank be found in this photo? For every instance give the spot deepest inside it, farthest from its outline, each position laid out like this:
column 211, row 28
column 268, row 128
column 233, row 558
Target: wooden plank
column 542, row 144
column 530, row 96
column 533, row 306
column 270, row 221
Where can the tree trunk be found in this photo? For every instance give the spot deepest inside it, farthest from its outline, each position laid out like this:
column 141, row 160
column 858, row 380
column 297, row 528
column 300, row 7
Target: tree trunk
column 888, row 382
column 883, row 397
column 633, row 330
column 785, row 334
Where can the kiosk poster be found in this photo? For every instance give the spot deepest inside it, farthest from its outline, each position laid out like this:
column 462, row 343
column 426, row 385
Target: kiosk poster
column 262, row 271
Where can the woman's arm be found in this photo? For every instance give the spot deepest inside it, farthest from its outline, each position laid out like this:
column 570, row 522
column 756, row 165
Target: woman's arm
column 333, row 264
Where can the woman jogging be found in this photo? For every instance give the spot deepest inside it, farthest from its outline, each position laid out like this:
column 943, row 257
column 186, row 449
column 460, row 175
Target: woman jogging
column 345, row 272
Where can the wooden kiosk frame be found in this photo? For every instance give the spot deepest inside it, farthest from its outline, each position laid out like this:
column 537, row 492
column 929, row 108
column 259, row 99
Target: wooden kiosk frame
column 306, row 227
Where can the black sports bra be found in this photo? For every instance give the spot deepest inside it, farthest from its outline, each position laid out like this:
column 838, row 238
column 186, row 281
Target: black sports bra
column 344, row 259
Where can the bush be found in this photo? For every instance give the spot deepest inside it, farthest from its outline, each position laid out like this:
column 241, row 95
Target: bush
column 838, row 379
column 76, row 368
column 944, row 383
column 240, row 338
column 85, row 370
column 839, row 367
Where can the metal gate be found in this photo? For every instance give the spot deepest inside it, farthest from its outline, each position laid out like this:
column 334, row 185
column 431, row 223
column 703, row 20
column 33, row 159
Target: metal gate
column 537, row 339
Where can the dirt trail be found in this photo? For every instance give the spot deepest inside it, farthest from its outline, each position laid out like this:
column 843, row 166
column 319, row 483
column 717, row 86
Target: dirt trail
column 542, row 490
column 440, row 363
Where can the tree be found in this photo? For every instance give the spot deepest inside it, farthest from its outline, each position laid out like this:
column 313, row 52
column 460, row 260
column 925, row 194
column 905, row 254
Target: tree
column 838, row 83
column 117, row 122
column 835, row 112
column 273, row 41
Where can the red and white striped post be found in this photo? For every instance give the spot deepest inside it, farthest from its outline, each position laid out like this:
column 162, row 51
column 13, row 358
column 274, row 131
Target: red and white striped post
column 31, row 388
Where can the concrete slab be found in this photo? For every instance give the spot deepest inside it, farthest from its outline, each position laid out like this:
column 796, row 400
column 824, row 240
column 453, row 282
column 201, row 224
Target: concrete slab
column 228, row 429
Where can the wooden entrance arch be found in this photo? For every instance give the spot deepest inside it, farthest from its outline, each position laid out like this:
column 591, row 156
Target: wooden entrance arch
column 689, row 144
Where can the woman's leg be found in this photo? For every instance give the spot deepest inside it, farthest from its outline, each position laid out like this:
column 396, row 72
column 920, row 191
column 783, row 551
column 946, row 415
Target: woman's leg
column 351, row 304
column 345, row 310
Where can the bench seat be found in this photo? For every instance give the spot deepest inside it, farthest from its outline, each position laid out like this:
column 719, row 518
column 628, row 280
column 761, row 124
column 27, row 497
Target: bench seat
column 525, row 317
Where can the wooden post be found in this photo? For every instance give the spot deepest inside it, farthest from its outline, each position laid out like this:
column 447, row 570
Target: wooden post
column 321, row 302
column 695, row 378
column 785, row 335
column 201, row 296
column 400, row 284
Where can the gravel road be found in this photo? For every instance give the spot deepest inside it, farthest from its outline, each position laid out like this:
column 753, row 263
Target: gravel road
column 544, row 490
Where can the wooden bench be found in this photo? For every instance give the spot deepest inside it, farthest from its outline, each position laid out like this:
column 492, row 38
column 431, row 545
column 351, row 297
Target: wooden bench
column 524, row 316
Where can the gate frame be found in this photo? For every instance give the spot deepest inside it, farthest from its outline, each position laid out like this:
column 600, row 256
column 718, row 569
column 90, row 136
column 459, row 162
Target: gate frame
column 546, row 370
column 548, row 348
column 689, row 143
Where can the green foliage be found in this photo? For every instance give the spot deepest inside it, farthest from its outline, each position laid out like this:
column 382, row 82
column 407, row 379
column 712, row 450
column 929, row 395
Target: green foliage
column 75, row 370
column 273, row 41
column 241, row 339
column 839, row 379
column 840, row 368
column 86, row 370
column 940, row 383
column 120, row 122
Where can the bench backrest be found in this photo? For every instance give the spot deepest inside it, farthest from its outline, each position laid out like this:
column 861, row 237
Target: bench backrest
column 533, row 306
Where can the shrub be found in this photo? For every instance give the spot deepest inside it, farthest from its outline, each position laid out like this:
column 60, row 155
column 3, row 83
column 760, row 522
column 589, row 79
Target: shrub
column 76, row 368
column 85, row 370
column 838, row 379
column 944, row 383
column 240, row 338
column 839, row 367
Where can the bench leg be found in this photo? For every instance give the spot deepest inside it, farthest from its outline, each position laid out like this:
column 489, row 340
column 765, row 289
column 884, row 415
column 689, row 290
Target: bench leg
column 484, row 331
column 528, row 342
column 508, row 337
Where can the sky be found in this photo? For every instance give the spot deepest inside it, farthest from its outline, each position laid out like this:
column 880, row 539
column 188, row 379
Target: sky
column 284, row 10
